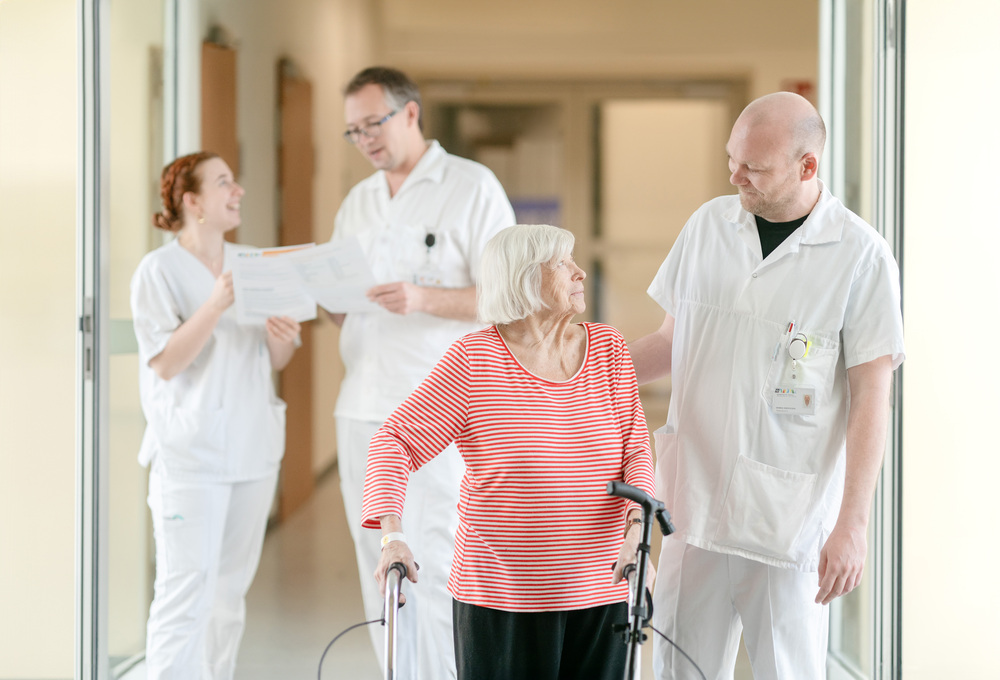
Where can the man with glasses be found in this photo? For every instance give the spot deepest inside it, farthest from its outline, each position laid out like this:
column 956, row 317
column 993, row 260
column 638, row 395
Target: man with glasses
column 423, row 219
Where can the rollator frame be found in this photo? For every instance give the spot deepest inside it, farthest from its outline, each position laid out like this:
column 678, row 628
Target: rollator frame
column 638, row 611
column 394, row 576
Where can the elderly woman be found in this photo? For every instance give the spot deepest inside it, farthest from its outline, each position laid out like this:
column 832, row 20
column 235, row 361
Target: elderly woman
column 544, row 412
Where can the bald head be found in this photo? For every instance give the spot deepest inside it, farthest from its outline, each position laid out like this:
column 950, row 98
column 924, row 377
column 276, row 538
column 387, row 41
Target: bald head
column 789, row 119
column 774, row 153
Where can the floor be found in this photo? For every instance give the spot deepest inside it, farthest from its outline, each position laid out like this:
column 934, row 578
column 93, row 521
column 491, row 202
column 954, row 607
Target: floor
column 306, row 593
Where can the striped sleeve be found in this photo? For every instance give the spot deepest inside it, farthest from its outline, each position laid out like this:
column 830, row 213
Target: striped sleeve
column 637, row 465
column 421, row 428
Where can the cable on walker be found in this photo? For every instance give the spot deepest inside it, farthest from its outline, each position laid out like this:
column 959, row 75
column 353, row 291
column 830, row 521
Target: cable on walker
column 394, row 576
column 640, row 609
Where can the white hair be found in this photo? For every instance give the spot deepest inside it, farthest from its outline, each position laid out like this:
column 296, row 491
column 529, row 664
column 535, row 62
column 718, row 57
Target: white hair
column 510, row 275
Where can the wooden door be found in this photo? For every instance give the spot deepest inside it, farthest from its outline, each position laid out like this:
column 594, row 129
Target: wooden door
column 295, row 180
column 218, row 107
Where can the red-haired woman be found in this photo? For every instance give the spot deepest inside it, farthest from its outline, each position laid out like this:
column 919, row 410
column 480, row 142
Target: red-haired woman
column 215, row 429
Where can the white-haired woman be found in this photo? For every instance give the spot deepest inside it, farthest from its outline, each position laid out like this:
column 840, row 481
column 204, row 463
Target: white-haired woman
column 544, row 412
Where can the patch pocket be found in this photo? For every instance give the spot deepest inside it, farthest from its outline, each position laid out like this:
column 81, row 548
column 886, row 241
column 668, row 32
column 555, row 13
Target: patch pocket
column 816, row 370
column 447, row 260
column 181, row 526
column 766, row 509
column 407, row 250
column 194, row 441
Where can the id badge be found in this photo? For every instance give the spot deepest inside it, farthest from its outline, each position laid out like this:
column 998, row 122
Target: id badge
column 429, row 277
column 429, row 273
column 793, row 400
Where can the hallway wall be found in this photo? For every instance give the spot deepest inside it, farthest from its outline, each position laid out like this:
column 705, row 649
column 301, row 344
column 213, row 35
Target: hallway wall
column 38, row 143
column 766, row 41
column 951, row 609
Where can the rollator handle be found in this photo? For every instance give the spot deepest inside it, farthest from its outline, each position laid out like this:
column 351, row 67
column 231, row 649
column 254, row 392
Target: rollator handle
column 663, row 519
column 623, row 490
column 394, row 577
column 649, row 504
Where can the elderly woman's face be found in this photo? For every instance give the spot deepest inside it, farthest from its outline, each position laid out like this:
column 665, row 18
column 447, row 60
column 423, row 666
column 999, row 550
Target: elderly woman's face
column 562, row 286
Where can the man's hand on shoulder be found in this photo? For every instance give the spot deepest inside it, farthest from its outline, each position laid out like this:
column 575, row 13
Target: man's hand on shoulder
column 398, row 297
column 841, row 563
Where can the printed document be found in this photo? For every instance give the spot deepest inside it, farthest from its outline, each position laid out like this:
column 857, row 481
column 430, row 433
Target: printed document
column 337, row 276
column 266, row 285
column 290, row 281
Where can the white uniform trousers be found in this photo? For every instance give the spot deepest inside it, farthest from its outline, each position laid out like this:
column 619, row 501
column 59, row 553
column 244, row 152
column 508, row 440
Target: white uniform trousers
column 209, row 538
column 424, row 639
column 703, row 600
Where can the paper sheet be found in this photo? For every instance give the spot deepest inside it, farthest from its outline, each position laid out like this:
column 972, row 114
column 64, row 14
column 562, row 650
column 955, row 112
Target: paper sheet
column 266, row 284
column 291, row 281
column 336, row 275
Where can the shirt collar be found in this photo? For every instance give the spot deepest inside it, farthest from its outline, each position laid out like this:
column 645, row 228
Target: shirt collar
column 430, row 167
column 825, row 223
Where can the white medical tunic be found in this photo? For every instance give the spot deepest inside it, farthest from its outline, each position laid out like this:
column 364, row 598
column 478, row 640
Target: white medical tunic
column 456, row 205
column 740, row 475
column 218, row 420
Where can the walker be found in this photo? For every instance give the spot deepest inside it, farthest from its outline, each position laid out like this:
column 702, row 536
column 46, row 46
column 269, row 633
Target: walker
column 639, row 608
column 394, row 576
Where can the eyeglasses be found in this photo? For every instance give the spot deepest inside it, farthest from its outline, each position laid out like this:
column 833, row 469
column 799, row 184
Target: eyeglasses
column 371, row 130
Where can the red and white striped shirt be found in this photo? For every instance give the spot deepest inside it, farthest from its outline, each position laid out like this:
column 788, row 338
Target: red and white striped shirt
column 537, row 530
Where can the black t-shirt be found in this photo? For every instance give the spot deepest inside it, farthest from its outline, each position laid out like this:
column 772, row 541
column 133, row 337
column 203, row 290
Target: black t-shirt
column 773, row 233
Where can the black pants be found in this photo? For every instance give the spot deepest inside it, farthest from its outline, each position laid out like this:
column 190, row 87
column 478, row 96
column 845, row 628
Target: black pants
column 566, row 645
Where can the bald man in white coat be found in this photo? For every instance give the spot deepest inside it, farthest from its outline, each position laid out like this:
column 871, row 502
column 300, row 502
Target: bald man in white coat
column 781, row 333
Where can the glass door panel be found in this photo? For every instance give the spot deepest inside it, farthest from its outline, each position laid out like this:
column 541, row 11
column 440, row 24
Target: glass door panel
column 136, row 158
column 861, row 100
column 852, row 616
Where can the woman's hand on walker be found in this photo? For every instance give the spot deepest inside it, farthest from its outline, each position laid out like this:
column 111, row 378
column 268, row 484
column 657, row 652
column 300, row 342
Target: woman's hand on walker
column 395, row 551
column 628, row 554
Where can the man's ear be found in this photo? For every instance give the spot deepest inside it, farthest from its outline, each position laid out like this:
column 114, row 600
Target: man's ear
column 412, row 112
column 810, row 166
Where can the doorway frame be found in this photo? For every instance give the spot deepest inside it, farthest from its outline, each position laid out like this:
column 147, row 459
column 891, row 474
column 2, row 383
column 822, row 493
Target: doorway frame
column 886, row 70
column 92, row 345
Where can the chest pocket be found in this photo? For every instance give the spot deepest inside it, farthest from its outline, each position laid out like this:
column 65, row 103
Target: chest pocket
column 396, row 252
column 448, row 259
column 400, row 252
column 817, row 369
column 439, row 260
